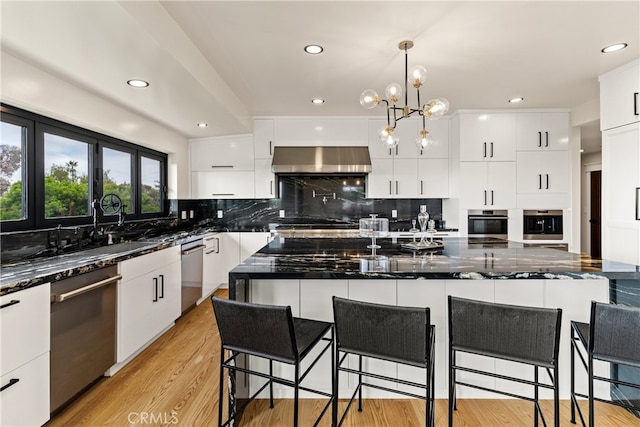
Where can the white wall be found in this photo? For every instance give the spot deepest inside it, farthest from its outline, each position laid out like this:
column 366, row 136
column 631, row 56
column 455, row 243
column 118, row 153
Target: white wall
column 36, row 90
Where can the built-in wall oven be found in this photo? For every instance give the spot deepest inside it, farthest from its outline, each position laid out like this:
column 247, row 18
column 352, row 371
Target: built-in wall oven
column 542, row 225
column 488, row 223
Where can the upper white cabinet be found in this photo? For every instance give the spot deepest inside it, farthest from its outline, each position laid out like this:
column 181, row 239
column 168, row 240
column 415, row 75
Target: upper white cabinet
column 621, row 194
column 320, row 131
column 393, row 179
column 619, row 103
column 487, row 185
column 263, row 138
column 542, row 131
column 223, row 168
column 265, row 180
column 225, row 153
column 433, row 178
column 406, row 130
column 487, row 137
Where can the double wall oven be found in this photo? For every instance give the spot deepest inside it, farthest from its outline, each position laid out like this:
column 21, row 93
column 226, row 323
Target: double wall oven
column 488, row 224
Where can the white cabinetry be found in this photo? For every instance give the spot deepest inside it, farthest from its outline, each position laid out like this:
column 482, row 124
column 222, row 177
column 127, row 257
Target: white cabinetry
column 487, row 185
column 24, row 361
column 222, row 167
column 487, row 137
column 393, row 178
column 433, row 178
column 209, row 261
column 149, row 299
column 406, row 130
column 542, row 131
column 250, row 243
column 263, row 138
column 621, row 194
column 543, row 179
column 619, row 103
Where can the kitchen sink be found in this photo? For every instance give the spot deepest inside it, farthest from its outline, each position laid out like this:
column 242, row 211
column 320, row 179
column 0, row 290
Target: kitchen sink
column 119, row 247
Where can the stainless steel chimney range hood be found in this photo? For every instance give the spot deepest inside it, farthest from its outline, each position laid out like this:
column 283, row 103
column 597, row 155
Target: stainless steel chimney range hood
column 321, row 160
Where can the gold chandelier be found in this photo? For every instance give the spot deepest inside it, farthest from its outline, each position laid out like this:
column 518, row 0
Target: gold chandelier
column 416, row 76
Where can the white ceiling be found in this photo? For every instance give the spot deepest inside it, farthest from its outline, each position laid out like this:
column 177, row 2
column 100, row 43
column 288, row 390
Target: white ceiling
column 224, row 62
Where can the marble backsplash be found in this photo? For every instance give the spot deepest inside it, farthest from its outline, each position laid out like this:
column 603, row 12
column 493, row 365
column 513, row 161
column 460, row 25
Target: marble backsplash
column 334, row 201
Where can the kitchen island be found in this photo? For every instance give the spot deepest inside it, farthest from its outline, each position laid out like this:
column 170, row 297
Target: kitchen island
column 306, row 273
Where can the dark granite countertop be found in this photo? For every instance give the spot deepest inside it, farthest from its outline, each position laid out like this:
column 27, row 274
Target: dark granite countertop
column 461, row 258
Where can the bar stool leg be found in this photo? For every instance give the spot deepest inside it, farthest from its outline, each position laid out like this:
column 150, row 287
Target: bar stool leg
column 573, row 379
column 296, row 393
column 591, row 405
column 452, row 385
column 535, row 396
column 556, row 399
column 334, row 378
column 270, row 384
column 360, row 384
column 221, row 386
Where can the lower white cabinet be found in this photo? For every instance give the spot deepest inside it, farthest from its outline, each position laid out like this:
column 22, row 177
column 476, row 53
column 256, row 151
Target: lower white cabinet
column 265, row 179
column 487, row 185
column 250, row 243
column 433, row 178
column 149, row 299
column 393, row 178
column 25, row 402
column 24, row 356
column 209, row 260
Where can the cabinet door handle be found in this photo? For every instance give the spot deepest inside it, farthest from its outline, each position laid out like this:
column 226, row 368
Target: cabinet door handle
column 390, row 191
column 491, row 150
column 217, row 245
column 421, row 187
column 11, row 382
column 223, row 194
column 10, row 303
column 396, row 150
column 396, row 188
column 539, row 181
column 539, row 139
column 635, row 104
column 271, row 187
column 155, row 289
column 547, row 175
column 484, row 149
column 271, row 148
column 485, row 197
column 491, row 197
column 162, row 286
column 390, row 152
column 637, row 203
column 210, row 252
column 546, row 139
column 221, row 166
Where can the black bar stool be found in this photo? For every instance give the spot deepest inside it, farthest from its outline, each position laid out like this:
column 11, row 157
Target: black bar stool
column 612, row 335
column 386, row 332
column 528, row 335
column 272, row 333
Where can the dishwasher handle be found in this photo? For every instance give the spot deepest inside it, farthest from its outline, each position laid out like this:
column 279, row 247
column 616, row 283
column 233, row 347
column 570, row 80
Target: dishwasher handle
column 192, row 250
column 76, row 292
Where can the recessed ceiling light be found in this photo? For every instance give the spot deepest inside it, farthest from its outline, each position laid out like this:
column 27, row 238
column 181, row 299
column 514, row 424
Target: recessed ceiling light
column 137, row 83
column 517, row 99
column 614, row 48
column 317, row 101
column 202, row 125
column 313, row 49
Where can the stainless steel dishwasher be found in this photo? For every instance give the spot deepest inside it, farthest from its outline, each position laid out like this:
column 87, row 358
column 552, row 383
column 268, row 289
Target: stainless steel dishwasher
column 83, row 332
column 192, row 248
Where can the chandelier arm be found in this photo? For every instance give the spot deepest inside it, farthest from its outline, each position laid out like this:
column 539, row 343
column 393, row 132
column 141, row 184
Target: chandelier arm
column 406, row 75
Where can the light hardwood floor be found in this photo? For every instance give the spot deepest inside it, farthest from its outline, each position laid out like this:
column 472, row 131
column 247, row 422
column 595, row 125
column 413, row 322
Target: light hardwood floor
column 174, row 382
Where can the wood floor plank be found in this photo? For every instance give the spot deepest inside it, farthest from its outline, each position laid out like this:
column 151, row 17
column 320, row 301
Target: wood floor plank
column 175, row 382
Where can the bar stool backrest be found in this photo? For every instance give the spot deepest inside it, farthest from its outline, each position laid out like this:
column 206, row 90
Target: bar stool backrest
column 615, row 333
column 261, row 330
column 399, row 334
column 525, row 334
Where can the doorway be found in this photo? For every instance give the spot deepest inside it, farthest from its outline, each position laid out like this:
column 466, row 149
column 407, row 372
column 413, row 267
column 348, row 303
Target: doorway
column 595, row 222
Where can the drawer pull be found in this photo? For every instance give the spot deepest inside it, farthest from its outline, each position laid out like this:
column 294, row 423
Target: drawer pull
column 10, row 303
column 12, row 381
column 222, row 166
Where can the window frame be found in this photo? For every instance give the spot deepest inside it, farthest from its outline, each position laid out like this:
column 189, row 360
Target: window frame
column 34, row 174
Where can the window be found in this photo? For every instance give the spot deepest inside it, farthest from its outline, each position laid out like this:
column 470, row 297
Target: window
column 66, row 177
column 13, row 139
column 150, row 184
column 117, row 169
column 51, row 172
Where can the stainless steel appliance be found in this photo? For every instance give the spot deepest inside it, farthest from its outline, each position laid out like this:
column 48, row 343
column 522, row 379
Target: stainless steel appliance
column 488, row 223
column 192, row 249
column 542, row 225
column 83, row 332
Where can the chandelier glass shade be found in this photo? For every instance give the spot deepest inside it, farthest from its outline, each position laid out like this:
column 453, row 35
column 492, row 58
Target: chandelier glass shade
column 415, row 76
